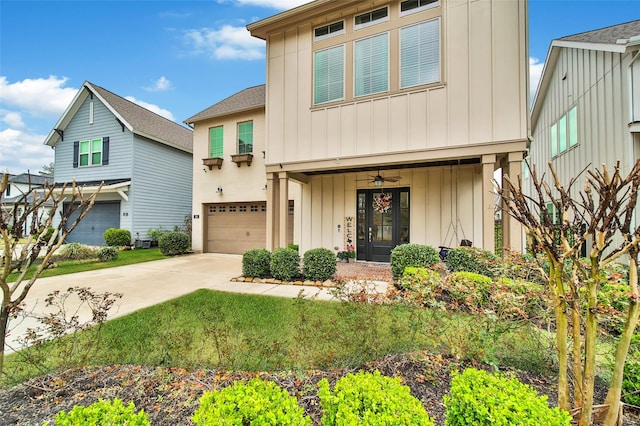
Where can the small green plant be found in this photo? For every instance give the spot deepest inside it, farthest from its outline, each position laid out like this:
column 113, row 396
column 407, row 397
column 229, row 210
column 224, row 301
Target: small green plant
column 256, row 262
column 285, row 264
column 174, row 243
column 631, row 381
column 76, row 251
column 343, row 255
column 107, row 254
column 117, row 237
column 103, row 413
column 154, row 234
column 417, row 255
column 319, row 264
column 471, row 259
column 422, row 284
column 293, row 247
column 468, row 288
column 257, row 402
column 480, row 398
column 370, row 399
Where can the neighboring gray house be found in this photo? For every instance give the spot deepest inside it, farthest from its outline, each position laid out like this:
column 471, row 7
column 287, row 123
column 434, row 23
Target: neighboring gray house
column 145, row 161
column 16, row 196
column 587, row 107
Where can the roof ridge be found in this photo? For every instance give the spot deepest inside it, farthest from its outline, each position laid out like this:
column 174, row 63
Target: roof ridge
column 599, row 29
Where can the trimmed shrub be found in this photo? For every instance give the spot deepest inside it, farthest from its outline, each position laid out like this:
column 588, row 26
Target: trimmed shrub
column 173, row 243
column 319, row 264
column 107, row 254
column 117, row 237
column 479, row 398
column 519, row 299
column 468, row 288
column 421, row 283
column 293, row 247
column 50, row 231
column 76, row 251
column 256, row 262
column 285, row 264
column 258, row 402
column 471, row 259
column 417, row 255
column 103, row 413
column 370, row 399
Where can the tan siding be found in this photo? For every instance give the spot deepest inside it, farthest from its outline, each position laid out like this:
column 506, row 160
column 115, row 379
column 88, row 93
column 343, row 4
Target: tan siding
column 480, row 76
column 380, row 126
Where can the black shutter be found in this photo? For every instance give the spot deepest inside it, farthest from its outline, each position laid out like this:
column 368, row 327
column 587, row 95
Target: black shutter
column 76, row 153
column 105, row 150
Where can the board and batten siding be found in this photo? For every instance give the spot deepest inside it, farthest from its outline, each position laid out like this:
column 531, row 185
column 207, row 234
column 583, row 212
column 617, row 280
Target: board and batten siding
column 162, row 187
column 104, row 124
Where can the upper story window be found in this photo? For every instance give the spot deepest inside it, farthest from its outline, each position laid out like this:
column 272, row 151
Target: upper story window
column 563, row 134
column 245, row 137
column 420, row 54
column 327, row 31
column 7, row 192
column 328, row 75
column 216, row 140
column 411, row 6
column 371, row 18
column 371, row 65
column 90, row 153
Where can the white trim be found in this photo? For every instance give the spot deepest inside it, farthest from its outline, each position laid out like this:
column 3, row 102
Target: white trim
column 419, row 8
column 330, row 34
column 370, row 23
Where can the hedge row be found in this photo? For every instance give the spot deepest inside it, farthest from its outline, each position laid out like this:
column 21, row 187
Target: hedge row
column 284, row 264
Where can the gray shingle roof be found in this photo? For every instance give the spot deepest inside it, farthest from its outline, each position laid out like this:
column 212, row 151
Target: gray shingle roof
column 608, row 35
column 147, row 123
column 35, row 179
column 250, row 98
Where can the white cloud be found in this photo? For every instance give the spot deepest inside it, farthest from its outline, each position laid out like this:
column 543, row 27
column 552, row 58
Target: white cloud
column 151, row 107
column 38, row 97
column 160, row 85
column 535, row 72
column 21, row 151
column 13, row 119
column 227, row 42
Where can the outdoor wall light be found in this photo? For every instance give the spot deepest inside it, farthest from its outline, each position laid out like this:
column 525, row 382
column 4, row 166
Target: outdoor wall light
column 219, row 190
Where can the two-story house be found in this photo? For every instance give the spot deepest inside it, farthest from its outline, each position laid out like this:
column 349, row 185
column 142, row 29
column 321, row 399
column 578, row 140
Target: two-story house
column 586, row 111
column 144, row 160
column 18, row 195
column 393, row 116
column 229, row 178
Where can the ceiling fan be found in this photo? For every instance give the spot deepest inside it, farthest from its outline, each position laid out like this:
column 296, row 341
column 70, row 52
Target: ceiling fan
column 379, row 180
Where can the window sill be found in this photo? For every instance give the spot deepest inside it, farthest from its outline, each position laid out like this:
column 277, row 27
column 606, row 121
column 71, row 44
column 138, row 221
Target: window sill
column 242, row 158
column 211, row 162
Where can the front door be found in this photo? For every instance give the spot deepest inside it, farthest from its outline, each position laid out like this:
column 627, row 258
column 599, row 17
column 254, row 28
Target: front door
column 382, row 222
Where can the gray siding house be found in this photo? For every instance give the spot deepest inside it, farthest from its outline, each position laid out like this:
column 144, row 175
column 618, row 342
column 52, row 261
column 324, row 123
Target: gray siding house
column 144, row 160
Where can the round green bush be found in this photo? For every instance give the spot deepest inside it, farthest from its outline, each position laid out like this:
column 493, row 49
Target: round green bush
column 76, row 251
column 107, row 254
column 173, row 243
column 471, row 259
column 285, row 264
column 417, row 255
column 479, row 398
column 421, row 283
column 256, row 262
column 117, row 237
column 370, row 399
column 103, row 413
column 319, row 264
column 258, row 402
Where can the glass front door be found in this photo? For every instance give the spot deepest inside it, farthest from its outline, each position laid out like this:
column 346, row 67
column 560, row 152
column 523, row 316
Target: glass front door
column 382, row 222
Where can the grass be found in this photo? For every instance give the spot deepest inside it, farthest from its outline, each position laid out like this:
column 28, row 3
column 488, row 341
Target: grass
column 208, row 329
column 126, row 257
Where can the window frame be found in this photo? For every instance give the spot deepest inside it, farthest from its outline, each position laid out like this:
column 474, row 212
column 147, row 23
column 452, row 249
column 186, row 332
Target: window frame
column 370, row 76
column 329, row 84
column 93, row 148
column 240, row 142
column 216, row 151
column 403, row 67
column 563, row 133
column 372, row 21
column 329, row 33
column 419, row 8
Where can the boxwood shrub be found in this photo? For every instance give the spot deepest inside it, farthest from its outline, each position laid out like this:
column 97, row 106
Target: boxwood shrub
column 256, row 262
column 422, row 284
column 285, row 264
column 103, row 413
column 370, row 399
column 173, row 243
column 319, row 264
column 468, row 288
column 107, row 254
column 471, row 259
column 117, row 237
column 479, row 398
column 417, row 255
column 257, row 402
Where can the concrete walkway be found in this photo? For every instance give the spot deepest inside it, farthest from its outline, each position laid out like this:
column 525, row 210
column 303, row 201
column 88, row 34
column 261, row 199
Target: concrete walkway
column 149, row 283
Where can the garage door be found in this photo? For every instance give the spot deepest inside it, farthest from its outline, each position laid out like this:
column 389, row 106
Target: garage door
column 90, row 230
column 236, row 227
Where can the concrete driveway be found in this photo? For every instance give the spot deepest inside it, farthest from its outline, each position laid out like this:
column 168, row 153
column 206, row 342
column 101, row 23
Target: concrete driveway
column 150, row 283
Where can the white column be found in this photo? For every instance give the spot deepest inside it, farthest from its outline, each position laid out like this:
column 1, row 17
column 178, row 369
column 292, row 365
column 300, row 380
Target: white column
column 488, row 202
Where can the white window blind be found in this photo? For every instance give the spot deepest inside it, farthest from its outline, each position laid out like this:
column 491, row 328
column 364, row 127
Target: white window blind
column 371, row 65
column 420, row 54
column 328, row 75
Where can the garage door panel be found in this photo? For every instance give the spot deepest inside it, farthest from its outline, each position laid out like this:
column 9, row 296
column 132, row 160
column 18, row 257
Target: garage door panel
column 90, row 230
column 234, row 228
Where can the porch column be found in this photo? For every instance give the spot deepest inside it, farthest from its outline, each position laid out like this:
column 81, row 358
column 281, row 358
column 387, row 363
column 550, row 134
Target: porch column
column 511, row 228
column 488, row 201
column 283, row 210
column 272, row 210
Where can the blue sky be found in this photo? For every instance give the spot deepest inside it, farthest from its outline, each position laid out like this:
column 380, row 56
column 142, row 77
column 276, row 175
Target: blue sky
column 173, row 57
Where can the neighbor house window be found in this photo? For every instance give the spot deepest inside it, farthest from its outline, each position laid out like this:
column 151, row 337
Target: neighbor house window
column 90, row 152
column 371, row 65
column 563, row 134
column 420, row 54
column 215, row 142
column 412, row 6
column 327, row 31
column 328, row 75
column 245, row 137
column 370, row 18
